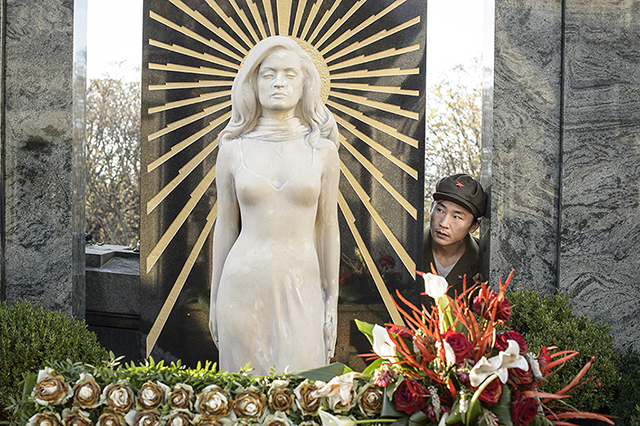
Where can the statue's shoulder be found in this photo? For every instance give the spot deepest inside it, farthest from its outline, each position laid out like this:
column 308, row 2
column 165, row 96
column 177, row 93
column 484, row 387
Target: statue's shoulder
column 326, row 146
column 229, row 151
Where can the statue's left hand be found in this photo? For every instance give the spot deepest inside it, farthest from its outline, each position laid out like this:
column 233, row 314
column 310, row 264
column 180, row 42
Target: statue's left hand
column 330, row 334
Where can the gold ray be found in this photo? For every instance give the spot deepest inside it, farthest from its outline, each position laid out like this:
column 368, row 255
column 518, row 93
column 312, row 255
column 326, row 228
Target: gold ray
column 374, row 38
column 193, row 70
column 257, row 18
column 387, row 72
column 378, row 147
column 313, row 13
column 192, row 53
column 177, row 223
column 368, row 260
column 209, row 25
column 243, row 18
column 187, row 120
column 364, row 24
column 267, row 8
column 407, row 261
column 172, row 298
column 187, row 142
column 284, row 16
column 380, row 55
column 374, row 123
column 382, row 106
column 378, row 175
column 195, row 36
column 340, row 21
column 190, row 101
column 324, row 20
column 302, row 4
column 191, row 84
column 183, row 173
column 369, row 88
column 231, row 23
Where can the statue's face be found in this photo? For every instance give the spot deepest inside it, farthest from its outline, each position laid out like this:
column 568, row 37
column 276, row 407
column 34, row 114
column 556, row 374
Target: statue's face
column 280, row 84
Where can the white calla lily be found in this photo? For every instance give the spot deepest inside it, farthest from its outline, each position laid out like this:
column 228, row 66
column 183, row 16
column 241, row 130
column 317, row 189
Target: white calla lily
column 383, row 346
column 434, row 285
column 331, row 420
column 509, row 358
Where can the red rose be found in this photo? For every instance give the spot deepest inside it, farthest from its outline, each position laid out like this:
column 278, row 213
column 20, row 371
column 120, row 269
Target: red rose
column 345, row 277
column 410, row 397
column 482, row 302
column 523, row 409
column 459, row 343
column 504, row 311
column 520, row 379
column 501, row 341
column 388, row 261
column 492, row 393
column 400, row 332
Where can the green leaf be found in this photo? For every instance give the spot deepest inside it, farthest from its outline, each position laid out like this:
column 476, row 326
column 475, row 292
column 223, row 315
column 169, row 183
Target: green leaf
column 455, row 416
column 419, row 418
column 324, row 373
column 503, row 408
column 366, row 329
column 373, row 366
column 389, row 408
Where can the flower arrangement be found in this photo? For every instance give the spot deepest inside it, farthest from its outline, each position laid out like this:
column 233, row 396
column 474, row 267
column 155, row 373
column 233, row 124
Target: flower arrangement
column 457, row 363
column 454, row 364
column 75, row 394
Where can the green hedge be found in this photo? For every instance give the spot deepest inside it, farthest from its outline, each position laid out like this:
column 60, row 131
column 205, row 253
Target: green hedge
column 31, row 336
column 549, row 320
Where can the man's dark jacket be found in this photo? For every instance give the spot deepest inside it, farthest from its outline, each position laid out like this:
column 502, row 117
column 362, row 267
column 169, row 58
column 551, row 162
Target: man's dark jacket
column 468, row 264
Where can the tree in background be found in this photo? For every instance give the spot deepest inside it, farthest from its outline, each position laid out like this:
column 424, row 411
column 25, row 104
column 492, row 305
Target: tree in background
column 454, row 128
column 113, row 161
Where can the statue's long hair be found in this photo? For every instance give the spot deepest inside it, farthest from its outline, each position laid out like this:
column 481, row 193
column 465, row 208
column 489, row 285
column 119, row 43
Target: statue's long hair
column 245, row 107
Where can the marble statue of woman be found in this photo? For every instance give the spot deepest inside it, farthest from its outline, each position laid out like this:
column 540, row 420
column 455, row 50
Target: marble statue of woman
column 276, row 247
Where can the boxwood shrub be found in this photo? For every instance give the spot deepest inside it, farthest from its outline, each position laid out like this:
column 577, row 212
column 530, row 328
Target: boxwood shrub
column 549, row 321
column 31, row 336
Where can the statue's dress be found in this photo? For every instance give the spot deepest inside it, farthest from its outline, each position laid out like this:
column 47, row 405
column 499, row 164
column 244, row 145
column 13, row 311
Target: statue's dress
column 270, row 304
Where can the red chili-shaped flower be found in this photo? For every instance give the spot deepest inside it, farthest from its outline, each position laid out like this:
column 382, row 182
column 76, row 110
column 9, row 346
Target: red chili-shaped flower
column 523, row 409
column 501, row 341
column 410, row 396
column 543, row 360
column 459, row 343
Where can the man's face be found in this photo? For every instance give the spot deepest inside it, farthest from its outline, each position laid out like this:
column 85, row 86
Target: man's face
column 450, row 222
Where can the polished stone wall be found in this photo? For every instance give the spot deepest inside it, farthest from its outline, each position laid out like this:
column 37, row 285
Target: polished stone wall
column 565, row 154
column 39, row 204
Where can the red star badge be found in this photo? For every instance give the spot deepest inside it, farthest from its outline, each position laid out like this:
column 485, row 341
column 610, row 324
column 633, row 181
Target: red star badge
column 459, row 184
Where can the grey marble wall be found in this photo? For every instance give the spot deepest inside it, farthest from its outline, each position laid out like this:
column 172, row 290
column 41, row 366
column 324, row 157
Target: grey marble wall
column 600, row 255
column 524, row 146
column 38, row 164
column 565, row 166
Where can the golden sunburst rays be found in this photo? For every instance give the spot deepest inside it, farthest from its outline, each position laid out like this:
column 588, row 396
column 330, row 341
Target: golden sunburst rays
column 201, row 45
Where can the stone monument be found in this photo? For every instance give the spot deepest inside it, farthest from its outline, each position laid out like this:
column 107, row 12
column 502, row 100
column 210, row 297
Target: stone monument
column 370, row 55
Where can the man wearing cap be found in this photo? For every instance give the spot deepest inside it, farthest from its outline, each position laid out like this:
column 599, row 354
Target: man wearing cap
column 458, row 204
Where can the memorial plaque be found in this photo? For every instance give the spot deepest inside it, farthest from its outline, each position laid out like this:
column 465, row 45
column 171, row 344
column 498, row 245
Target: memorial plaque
column 371, row 56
